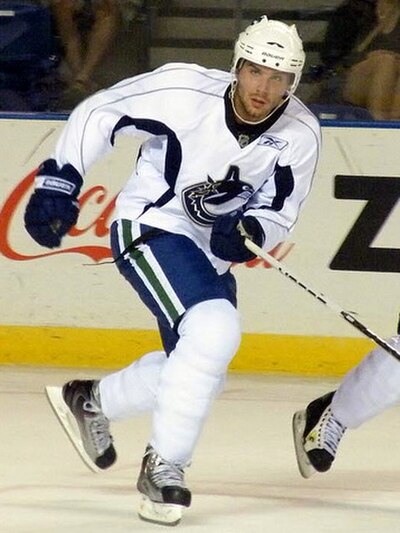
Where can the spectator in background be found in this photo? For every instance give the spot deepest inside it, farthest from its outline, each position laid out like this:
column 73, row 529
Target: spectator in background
column 373, row 79
column 87, row 29
column 29, row 78
column 351, row 21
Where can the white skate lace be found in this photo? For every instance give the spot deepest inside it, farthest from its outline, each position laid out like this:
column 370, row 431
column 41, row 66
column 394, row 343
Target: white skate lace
column 331, row 432
column 98, row 426
column 164, row 474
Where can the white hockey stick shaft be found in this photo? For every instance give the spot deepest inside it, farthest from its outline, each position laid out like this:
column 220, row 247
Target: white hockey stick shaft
column 321, row 298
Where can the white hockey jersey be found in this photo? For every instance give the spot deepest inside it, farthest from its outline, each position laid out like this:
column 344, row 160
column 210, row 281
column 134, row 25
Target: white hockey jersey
column 193, row 165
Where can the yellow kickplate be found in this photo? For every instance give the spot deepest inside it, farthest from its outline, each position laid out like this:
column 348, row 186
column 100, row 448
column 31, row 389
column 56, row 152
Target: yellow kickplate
column 112, row 348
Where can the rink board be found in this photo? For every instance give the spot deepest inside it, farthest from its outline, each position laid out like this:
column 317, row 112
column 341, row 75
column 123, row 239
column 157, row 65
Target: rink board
column 64, row 308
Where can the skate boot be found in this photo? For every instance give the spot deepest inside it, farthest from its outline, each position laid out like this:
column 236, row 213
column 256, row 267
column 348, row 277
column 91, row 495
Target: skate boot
column 77, row 407
column 316, row 434
column 163, row 489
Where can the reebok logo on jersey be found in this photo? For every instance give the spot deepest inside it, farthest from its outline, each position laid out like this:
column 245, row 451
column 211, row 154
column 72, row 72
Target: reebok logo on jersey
column 273, row 142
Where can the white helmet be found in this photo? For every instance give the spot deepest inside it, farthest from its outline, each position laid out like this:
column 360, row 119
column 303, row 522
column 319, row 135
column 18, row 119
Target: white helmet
column 273, row 44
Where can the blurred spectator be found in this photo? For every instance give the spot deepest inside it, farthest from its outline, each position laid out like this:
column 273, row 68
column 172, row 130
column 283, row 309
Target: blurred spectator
column 87, row 29
column 373, row 79
column 132, row 10
column 28, row 57
column 351, row 21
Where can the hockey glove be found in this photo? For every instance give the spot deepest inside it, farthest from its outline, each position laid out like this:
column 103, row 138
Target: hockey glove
column 228, row 243
column 53, row 207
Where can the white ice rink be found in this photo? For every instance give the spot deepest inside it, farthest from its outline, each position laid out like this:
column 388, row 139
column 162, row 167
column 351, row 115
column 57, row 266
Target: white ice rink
column 244, row 476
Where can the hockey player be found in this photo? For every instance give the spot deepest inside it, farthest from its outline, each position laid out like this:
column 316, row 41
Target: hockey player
column 221, row 150
column 368, row 389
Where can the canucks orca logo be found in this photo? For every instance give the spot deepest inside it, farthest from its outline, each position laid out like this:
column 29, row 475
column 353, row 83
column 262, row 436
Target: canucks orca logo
column 204, row 201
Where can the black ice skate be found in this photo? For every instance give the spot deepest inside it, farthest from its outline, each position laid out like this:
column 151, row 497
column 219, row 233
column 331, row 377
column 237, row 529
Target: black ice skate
column 163, row 488
column 77, row 406
column 316, row 434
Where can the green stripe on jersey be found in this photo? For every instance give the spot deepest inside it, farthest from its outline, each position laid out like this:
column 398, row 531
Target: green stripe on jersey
column 148, row 272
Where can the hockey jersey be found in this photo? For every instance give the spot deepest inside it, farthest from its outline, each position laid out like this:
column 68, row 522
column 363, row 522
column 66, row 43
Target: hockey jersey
column 193, row 165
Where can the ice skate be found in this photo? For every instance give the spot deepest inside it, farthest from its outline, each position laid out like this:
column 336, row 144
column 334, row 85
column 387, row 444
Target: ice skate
column 163, row 489
column 77, row 406
column 316, row 434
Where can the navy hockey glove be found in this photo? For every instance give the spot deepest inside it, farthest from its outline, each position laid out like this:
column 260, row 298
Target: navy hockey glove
column 228, row 243
column 53, row 208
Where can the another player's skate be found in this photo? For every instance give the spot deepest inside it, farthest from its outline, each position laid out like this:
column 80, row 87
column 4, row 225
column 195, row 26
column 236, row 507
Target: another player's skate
column 163, row 488
column 316, row 434
column 77, row 406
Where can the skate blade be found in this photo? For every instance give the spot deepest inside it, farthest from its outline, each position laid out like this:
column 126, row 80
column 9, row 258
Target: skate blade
column 299, row 423
column 69, row 424
column 159, row 513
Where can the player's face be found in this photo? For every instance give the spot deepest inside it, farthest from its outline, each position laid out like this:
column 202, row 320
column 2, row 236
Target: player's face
column 259, row 90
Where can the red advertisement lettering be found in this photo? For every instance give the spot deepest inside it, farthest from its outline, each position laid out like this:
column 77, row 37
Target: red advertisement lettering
column 98, row 227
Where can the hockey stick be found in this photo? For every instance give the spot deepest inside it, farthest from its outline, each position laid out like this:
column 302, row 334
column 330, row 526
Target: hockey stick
column 321, row 298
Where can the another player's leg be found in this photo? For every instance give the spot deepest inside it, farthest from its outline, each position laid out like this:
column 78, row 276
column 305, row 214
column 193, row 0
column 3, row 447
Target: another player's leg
column 77, row 406
column 317, row 434
column 368, row 389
